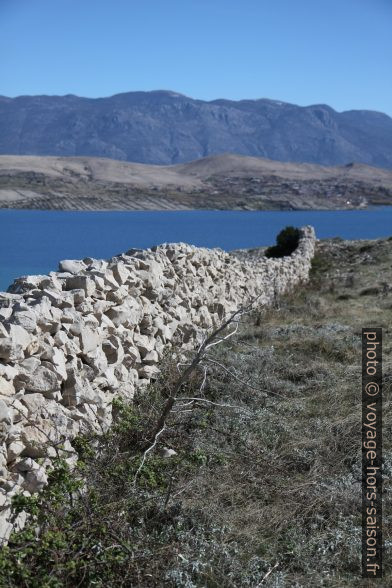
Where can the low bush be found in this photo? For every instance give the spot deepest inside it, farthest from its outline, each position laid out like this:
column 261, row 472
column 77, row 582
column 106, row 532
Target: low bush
column 286, row 242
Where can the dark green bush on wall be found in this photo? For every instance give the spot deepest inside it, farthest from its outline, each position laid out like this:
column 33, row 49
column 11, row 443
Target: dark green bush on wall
column 286, row 242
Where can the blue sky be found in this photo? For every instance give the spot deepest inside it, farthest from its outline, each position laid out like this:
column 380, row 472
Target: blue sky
column 337, row 52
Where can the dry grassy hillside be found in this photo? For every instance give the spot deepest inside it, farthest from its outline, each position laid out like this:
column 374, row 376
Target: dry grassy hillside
column 216, row 182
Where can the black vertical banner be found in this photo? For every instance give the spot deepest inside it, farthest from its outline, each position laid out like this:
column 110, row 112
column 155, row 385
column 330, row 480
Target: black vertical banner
column 372, row 453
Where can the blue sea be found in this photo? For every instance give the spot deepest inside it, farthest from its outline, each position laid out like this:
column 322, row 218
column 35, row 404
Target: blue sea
column 33, row 241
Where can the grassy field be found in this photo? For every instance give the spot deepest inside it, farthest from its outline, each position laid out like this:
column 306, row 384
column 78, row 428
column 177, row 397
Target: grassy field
column 264, row 488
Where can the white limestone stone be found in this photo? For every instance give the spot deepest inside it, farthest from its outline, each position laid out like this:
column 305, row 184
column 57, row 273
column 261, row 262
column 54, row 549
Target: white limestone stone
column 5, row 413
column 72, row 266
column 40, row 380
column 6, row 387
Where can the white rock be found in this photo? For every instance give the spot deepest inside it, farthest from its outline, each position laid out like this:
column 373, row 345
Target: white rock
column 55, row 297
column 72, row 266
column 117, row 296
column 41, row 380
column 3, row 456
column 110, row 280
column 77, row 391
column 4, row 499
column 60, row 338
column 5, row 413
column 99, row 282
column 54, row 359
column 126, row 390
column 81, row 283
column 14, row 449
column 26, row 283
column 32, row 347
column 26, row 319
column 20, row 520
column 89, row 340
column 19, row 410
column 37, row 438
column 144, row 343
column 34, row 403
column 120, row 273
column 148, row 371
column 13, row 433
column 58, row 360
column 10, row 350
column 30, row 364
column 5, row 314
column 118, row 314
column 113, row 350
column 25, row 464
column 79, row 296
column 110, row 377
column 132, row 354
column 5, row 526
column 85, row 307
column 121, row 373
column 19, row 335
column 7, row 299
column 166, row 452
column 98, row 265
column 151, row 357
column 6, row 387
column 8, row 371
column 35, row 480
column 72, row 346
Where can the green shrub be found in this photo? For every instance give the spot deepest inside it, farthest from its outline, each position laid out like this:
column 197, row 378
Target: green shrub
column 286, row 242
column 320, row 265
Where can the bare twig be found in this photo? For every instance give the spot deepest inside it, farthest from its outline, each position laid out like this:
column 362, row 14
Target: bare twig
column 214, row 338
column 267, row 574
column 146, row 452
column 233, row 375
column 197, row 399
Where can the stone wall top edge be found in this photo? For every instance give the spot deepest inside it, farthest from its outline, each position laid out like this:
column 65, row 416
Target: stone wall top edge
column 82, row 266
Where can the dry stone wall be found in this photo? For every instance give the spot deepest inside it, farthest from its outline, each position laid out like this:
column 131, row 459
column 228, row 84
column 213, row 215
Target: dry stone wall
column 72, row 340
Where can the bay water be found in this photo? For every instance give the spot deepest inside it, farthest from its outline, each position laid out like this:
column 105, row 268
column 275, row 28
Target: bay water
column 33, row 241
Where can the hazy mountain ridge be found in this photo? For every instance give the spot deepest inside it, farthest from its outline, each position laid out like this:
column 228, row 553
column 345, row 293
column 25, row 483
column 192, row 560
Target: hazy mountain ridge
column 164, row 127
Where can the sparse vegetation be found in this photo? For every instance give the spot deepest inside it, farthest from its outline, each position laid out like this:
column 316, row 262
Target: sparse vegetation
column 221, row 182
column 264, row 489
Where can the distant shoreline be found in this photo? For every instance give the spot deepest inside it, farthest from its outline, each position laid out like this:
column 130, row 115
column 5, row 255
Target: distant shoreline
column 89, row 209
column 222, row 182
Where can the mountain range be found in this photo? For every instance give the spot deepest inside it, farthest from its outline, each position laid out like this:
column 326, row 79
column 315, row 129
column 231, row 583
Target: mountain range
column 162, row 127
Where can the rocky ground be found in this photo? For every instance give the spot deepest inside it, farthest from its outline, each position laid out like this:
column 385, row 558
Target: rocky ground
column 256, row 485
